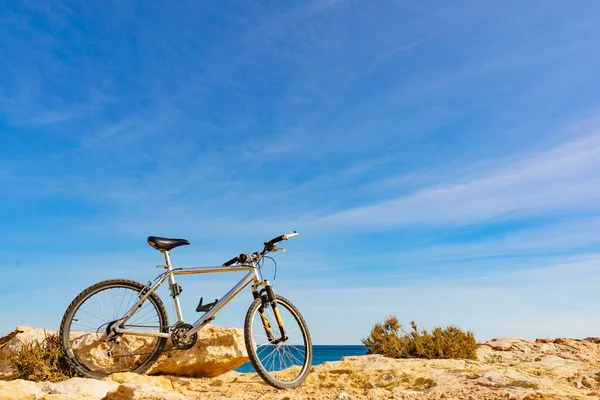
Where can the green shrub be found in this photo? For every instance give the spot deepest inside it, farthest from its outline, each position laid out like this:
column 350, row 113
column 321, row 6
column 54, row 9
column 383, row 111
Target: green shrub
column 388, row 338
column 41, row 361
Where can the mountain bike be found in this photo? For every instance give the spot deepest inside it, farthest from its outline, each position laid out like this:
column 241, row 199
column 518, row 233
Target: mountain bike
column 121, row 325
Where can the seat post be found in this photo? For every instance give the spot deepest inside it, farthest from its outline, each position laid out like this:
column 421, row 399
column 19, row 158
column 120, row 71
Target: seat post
column 167, row 259
column 175, row 288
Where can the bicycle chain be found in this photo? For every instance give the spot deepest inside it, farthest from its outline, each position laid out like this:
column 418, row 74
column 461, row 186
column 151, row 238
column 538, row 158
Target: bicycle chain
column 167, row 349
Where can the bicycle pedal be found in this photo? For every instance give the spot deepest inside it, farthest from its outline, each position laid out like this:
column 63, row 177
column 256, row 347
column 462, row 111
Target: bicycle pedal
column 205, row 307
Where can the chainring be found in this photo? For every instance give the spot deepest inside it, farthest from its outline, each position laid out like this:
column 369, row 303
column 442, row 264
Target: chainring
column 179, row 341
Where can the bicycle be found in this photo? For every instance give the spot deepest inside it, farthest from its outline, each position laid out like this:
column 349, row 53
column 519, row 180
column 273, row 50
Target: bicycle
column 121, row 325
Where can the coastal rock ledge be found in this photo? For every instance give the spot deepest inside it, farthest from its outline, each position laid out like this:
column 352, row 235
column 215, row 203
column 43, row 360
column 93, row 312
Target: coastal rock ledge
column 217, row 351
column 510, row 368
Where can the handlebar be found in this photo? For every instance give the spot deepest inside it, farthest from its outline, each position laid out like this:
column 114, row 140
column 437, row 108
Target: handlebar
column 269, row 246
column 283, row 237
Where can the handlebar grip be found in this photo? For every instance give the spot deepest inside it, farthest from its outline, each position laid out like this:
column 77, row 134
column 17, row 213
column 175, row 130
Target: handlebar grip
column 283, row 237
column 277, row 239
column 232, row 261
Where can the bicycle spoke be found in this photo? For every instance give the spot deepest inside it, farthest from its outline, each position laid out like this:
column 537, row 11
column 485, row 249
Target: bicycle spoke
column 112, row 293
column 120, row 305
column 290, row 352
column 277, row 355
column 92, row 315
column 262, row 350
column 288, row 357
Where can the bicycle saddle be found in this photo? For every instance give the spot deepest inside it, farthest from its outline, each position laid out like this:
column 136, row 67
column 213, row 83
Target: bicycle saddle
column 162, row 244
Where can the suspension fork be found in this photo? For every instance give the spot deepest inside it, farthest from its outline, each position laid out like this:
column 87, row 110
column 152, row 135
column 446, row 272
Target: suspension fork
column 272, row 299
column 265, row 323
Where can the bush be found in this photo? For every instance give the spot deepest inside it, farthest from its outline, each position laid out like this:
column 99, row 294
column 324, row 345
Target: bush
column 41, row 361
column 388, row 338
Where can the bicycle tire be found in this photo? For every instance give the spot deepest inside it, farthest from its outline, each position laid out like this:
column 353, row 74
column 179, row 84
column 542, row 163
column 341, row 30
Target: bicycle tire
column 252, row 349
column 65, row 333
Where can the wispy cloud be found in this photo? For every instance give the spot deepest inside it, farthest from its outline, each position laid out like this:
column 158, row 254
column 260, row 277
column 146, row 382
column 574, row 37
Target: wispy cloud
column 541, row 241
column 402, row 47
column 290, row 19
column 566, row 177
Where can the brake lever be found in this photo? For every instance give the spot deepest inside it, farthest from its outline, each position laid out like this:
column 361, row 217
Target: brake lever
column 277, row 249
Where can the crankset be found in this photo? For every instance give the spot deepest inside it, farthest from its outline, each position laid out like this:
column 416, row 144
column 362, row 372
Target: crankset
column 177, row 337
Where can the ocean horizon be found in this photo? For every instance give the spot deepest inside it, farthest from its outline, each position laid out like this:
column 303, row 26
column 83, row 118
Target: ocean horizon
column 323, row 353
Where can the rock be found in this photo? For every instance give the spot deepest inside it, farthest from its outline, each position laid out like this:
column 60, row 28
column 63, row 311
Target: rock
column 130, row 377
column 504, row 344
column 6, row 395
column 234, row 392
column 19, row 389
column 81, row 388
column 7, row 338
column 494, row 377
column 217, row 351
column 91, row 349
column 132, row 391
column 11, row 343
column 589, row 383
column 526, row 370
column 552, row 362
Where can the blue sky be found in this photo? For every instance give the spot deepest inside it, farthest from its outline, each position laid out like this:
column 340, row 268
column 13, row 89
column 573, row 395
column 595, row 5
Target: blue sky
column 440, row 160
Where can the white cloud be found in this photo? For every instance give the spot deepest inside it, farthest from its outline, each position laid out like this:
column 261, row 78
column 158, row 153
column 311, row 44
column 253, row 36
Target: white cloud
column 402, row 47
column 519, row 244
column 564, row 178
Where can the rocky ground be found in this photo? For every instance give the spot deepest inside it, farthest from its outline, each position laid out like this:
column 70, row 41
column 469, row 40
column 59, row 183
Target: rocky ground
column 505, row 369
column 217, row 351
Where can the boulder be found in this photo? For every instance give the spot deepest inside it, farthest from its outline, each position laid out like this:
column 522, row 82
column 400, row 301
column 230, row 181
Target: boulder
column 503, row 344
column 80, row 388
column 132, row 391
column 91, row 350
column 12, row 342
column 217, row 350
column 19, row 390
column 130, row 377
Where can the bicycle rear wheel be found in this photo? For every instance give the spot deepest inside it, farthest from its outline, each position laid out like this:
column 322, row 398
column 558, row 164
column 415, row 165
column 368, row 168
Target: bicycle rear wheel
column 281, row 363
column 83, row 330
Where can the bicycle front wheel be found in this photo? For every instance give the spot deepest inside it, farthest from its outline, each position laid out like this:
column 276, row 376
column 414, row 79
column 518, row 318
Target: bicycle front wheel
column 282, row 362
column 84, row 327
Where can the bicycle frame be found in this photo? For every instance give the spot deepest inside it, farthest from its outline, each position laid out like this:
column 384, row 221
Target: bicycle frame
column 251, row 276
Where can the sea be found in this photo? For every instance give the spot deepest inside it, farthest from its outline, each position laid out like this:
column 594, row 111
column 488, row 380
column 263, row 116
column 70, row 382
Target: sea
column 323, row 353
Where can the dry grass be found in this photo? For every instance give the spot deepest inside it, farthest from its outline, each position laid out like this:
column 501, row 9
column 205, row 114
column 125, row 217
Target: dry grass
column 494, row 359
column 388, row 338
column 41, row 361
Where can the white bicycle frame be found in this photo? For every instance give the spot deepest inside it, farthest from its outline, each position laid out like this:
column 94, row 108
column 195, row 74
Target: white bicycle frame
column 251, row 276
